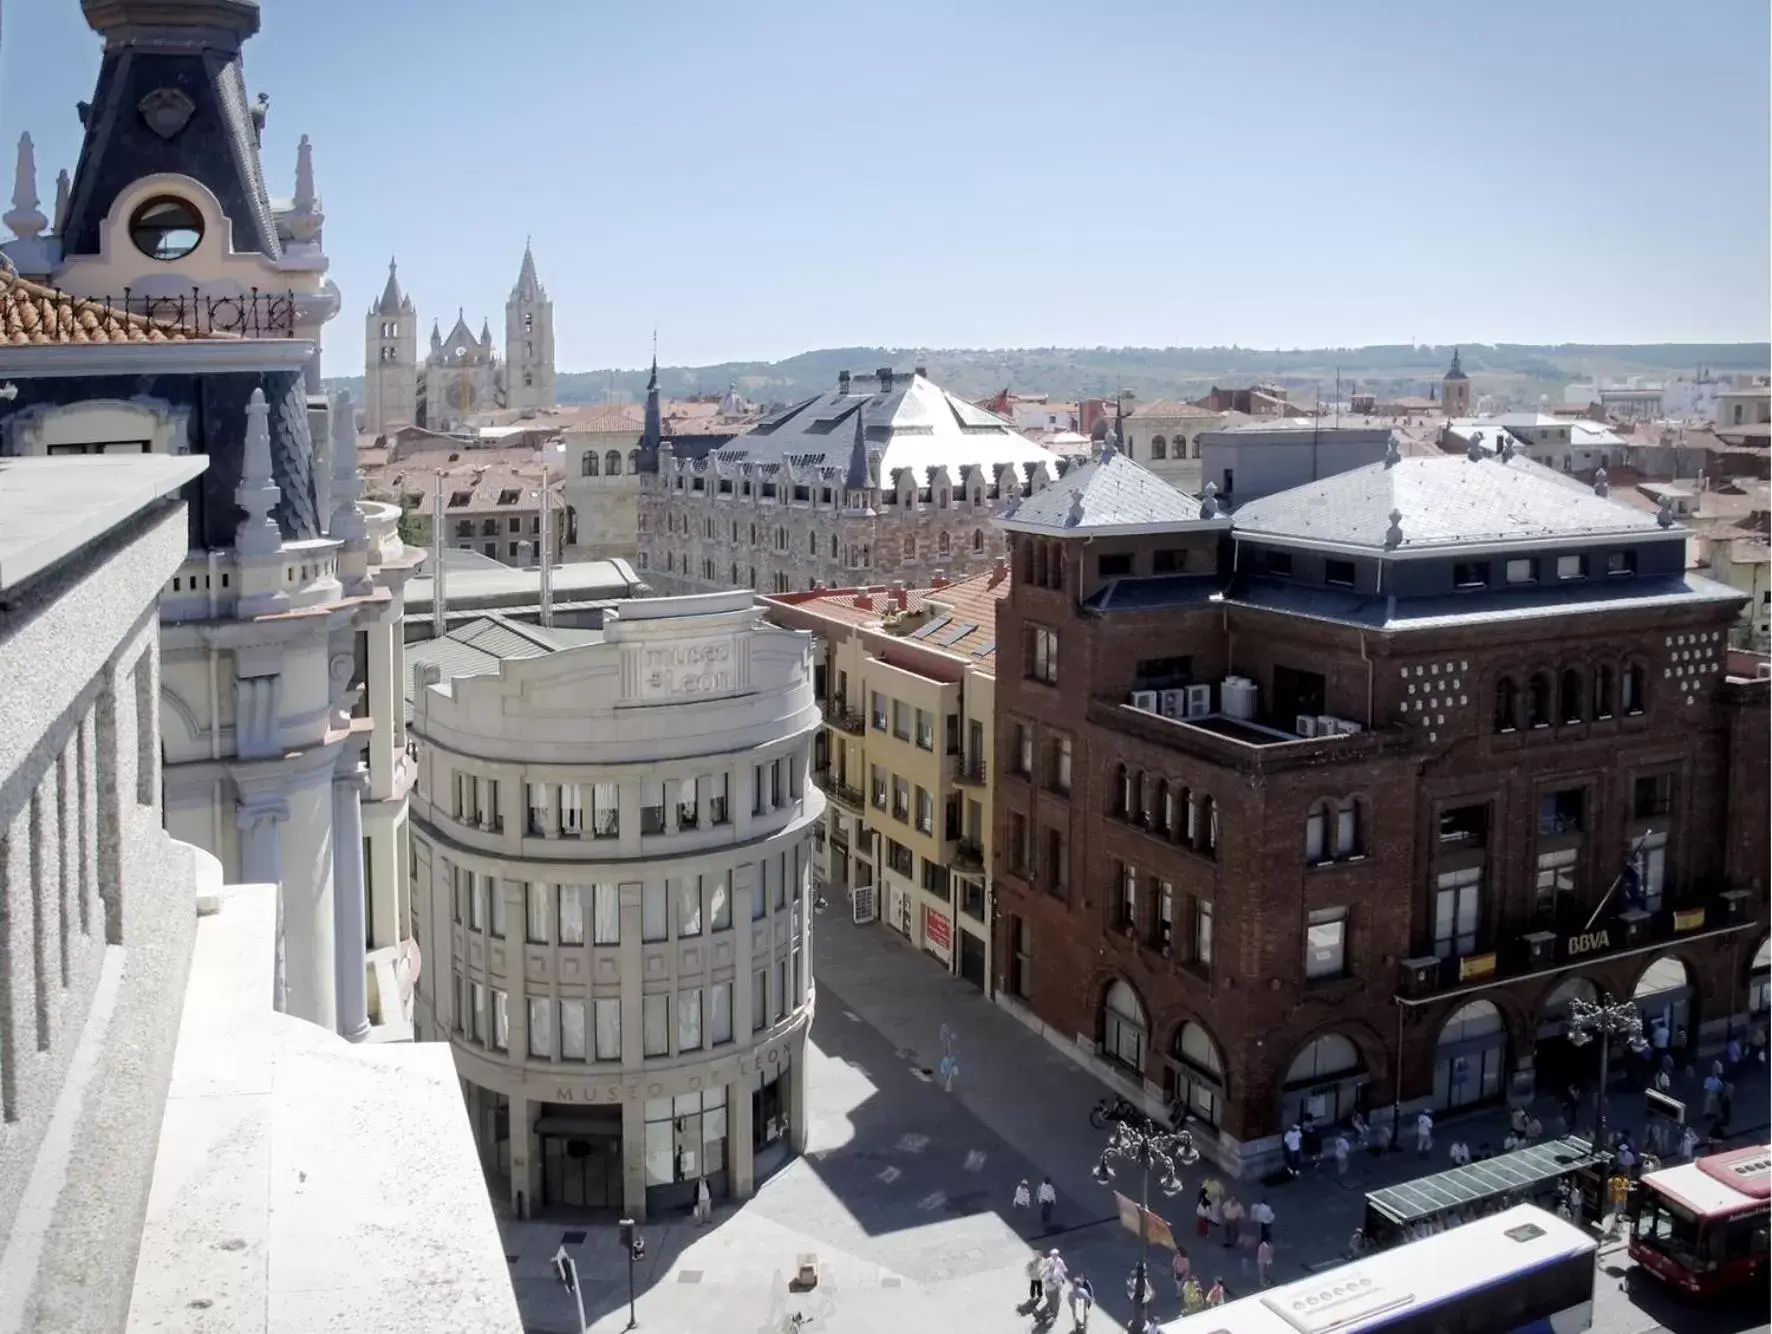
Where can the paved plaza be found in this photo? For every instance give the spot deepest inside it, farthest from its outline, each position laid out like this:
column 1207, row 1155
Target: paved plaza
column 904, row 1193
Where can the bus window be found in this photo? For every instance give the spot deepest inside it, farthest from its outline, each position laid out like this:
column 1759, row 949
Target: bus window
column 1669, row 1229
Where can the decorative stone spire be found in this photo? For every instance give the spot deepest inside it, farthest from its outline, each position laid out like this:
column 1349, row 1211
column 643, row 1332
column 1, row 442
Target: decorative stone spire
column 393, row 303
column 485, row 332
column 857, row 478
column 257, row 493
column 1664, row 513
column 528, row 286
column 26, row 220
column 1209, row 501
column 654, row 427
column 305, row 216
column 347, row 495
column 1601, row 487
column 1393, row 536
column 436, row 334
column 1506, row 452
column 61, row 199
column 1393, row 453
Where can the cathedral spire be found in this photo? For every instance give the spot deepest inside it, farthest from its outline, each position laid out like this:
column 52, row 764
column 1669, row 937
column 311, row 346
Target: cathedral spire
column 528, row 285
column 858, row 478
column 392, row 302
column 654, row 421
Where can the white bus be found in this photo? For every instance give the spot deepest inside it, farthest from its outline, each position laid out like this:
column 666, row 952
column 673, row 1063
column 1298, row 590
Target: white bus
column 1521, row 1271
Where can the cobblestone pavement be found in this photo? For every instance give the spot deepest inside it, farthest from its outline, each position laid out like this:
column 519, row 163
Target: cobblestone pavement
column 904, row 1192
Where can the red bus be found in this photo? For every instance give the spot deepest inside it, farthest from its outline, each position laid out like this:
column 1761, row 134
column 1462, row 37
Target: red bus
column 1702, row 1226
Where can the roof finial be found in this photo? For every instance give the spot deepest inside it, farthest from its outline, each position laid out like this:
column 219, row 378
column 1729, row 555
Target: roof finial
column 1393, row 536
column 1075, row 517
column 860, row 476
column 63, row 188
column 258, row 493
column 1473, row 449
column 25, row 219
column 1393, row 453
column 305, row 198
column 1601, row 487
column 1209, row 501
column 347, row 524
column 1664, row 513
column 1506, row 452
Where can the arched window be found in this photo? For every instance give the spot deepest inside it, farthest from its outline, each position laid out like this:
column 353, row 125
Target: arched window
column 812, row 544
column 612, row 463
column 910, row 546
column 1664, row 994
column 943, row 545
column 1605, row 690
column 633, row 460
column 1208, row 840
column 1538, row 700
column 1123, row 1027
column 1196, row 453
column 1569, row 705
column 1470, row 1056
column 1553, row 1014
column 1332, row 831
column 1159, row 448
column 1321, row 1083
column 1476, row 1019
column 1507, row 705
column 1633, row 693
column 589, row 467
column 1327, row 1057
column 1123, row 792
column 978, row 539
column 1196, row 1074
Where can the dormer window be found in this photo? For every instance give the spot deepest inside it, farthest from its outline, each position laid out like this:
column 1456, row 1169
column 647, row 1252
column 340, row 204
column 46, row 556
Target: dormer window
column 1572, row 567
column 507, row 496
column 166, row 228
column 460, row 499
column 1621, row 562
column 1279, row 563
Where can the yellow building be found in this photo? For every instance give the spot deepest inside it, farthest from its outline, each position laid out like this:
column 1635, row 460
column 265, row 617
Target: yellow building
column 907, row 681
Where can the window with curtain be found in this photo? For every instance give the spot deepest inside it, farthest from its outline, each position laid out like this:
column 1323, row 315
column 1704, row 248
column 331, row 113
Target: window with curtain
column 572, row 1030
column 1325, row 943
column 535, row 897
column 605, row 811
column 501, row 1019
column 759, row 1000
column 688, row 807
column 572, row 915
column 654, row 912
column 496, row 898
column 688, row 892
column 572, row 813
column 655, row 1025
column 1458, row 903
column 537, row 801
column 605, row 915
column 606, row 1017
column 720, row 1012
column 652, row 808
column 715, row 792
column 478, row 902
column 689, row 1019
column 541, row 1026
column 719, row 903
column 1316, row 834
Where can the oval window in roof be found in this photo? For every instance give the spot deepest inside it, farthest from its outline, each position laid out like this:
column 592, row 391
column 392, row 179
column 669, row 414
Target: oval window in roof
column 166, row 228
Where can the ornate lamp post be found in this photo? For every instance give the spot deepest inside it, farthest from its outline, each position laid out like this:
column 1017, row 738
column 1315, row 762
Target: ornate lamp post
column 1606, row 1020
column 1146, row 1149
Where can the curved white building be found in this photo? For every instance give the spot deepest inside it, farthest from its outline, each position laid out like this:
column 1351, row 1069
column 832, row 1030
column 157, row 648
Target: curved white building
column 612, row 855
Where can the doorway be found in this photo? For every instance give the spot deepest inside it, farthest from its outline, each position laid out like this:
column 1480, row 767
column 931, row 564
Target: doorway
column 972, row 959
column 581, row 1156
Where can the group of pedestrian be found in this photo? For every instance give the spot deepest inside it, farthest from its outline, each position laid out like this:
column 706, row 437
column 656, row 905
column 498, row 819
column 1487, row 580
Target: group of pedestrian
column 1048, row 1278
column 1047, row 1197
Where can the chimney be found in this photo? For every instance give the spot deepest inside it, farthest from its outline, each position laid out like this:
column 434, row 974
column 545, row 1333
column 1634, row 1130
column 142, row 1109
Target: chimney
column 900, row 598
column 939, row 580
column 842, row 382
column 864, row 600
column 884, row 375
column 999, row 571
column 922, row 372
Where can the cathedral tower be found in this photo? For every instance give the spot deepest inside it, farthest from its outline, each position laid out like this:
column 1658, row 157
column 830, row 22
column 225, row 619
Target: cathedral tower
column 390, row 360
column 1455, row 390
column 529, row 341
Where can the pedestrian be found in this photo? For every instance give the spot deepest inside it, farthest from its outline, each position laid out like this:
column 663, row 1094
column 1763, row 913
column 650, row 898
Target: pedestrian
column 1725, row 1107
column 1036, row 1263
column 1215, row 1294
column 1571, row 1106
column 1234, row 1214
column 1340, row 1148
column 1424, row 1133
column 1178, row 1267
column 1656, row 1137
column 1757, row 1042
column 1261, row 1213
column 1264, row 1263
column 1689, row 1143
column 1022, row 1198
column 1052, row 1276
column 1293, row 1139
column 1048, row 1199
column 1192, row 1299
column 1460, row 1154
column 1534, row 1131
column 1203, row 1213
column 1356, row 1244
column 1082, row 1298
column 1713, row 1089
column 704, row 1203
column 1511, row 1143
column 1361, row 1130
column 1627, row 1159
column 1732, row 1055
column 1517, row 1120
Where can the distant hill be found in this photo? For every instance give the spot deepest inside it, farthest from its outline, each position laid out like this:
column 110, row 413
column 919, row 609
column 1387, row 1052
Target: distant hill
column 1521, row 373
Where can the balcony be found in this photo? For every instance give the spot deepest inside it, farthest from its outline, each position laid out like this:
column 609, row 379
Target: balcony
column 969, row 770
column 844, row 795
column 968, row 855
column 839, row 715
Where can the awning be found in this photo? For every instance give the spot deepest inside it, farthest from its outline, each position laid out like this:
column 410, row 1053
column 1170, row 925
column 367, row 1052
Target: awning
column 1524, row 1172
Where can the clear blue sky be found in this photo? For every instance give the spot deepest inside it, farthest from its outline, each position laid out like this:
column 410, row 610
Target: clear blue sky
column 764, row 177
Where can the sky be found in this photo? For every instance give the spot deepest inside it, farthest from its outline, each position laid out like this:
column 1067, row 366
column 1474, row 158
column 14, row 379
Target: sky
column 761, row 179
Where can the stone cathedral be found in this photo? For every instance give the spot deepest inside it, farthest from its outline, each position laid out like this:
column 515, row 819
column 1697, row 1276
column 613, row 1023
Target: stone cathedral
column 461, row 376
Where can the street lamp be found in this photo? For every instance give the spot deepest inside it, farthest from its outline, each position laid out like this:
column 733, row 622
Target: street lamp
column 1606, row 1020
column 1148, row 1150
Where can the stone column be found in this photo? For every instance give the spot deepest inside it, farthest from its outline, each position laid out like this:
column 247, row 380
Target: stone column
column 261, row 863
column 310, row 931
column 633, row 1156
column 349, row 902
column 384, row 705
column 741, row 1161
column 525, row 1158
column 796, row 1077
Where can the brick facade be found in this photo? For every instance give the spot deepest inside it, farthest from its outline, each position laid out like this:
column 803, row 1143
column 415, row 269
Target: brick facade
column 1427, row 703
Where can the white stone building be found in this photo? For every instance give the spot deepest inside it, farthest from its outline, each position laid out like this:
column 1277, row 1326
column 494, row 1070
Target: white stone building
column 461, row 376
column 886, row 478
column 612, row 849
column 184, row 319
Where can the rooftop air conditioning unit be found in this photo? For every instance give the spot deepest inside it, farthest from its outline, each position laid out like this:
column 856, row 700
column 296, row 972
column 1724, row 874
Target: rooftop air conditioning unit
column 1174, row 703
column 1199, row 701
column 1347, row 726
column 1145, row 699
column 1328, row 725
column 1306, row 724
column 1238, row 695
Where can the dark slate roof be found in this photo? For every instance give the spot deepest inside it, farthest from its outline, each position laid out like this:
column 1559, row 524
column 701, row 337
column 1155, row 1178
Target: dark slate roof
column 1443, row 502
column 1112, row 492
column 391, row 300
column 1162, row 591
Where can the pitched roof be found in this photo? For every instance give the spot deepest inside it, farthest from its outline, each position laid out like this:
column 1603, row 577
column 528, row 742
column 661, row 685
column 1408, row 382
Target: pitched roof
column 391, row 303
column 31, row 314
column 1164, row 408
column 1111, row 494
column 1442, row 503
column 958, row 619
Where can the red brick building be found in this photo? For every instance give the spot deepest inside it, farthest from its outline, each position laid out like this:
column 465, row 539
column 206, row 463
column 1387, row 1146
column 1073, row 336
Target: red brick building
column 1330, row 806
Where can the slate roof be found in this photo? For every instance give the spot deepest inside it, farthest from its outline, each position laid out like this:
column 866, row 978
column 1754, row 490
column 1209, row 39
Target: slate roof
column 1444, row 503
column 1109, row 494
column 915, row 424
column 31, row 314
column 480, row 646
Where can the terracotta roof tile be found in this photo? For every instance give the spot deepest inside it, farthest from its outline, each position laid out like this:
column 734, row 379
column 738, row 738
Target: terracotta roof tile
column 34, row 315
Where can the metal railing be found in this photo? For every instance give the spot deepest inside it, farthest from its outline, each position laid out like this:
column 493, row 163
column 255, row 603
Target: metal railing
column 252, row 314
column 968, row 855
column 969, row 770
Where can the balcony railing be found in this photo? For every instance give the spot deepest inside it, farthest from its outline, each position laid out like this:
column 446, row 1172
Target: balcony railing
column 844, row 795
column 840, row 716
column 969, row 770
column 968, row 855
column 252, row 314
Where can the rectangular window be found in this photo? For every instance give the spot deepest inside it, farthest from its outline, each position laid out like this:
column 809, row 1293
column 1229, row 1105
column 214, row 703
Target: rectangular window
column 716, row 795
column 760, row 898
column 572, row 915
column 1280, row 563
column 758, row 788
column 536, row 898
column 1338, row 573
column 1061, row 765
column 654, row 912
column 878, row 710
column 925, row 812
column 1649, row 867
column 1316, row 834
column 1020, row 848
column 937, row 879
column 496, row 898
column 1126, row 899
column 1652, row 795
column 605, row 813
column 688, row 808
column 1560, row 812
column 535, row 798
column 1470, row 574
column 1572, row 567
column 541, row 1026
column 605, row 915
column 925, row 730
column 655, row 1023
column 877, row 787
column 719, row 902
column 1041, row 657
column 1170, row 560
column 1163, row 925
column 1555, row 878
column 1202, row 933
column 652, row 808
column 1621, row 562
column 1458, row 905
column 1519, row 571
column 777, row 772
column 901, row 800
column 501, row 1017
column 1024, row 750
column 1113, row 567
column 1467, row 826
column 572, row 1030
column 1058, row 863
column 606, row 1013
column 688, row 894
column 781, row 885
column 1325, row 944
column 760, row 1000
column 477, row 904
column 494, row 813
column 720, row 1013
column 899, row 858
column 572, row 812
column 901, row 720
column 689, row 1019
column 781, row 989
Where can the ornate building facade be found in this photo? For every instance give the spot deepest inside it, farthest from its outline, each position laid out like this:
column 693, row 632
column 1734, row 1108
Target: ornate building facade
column 461, row 376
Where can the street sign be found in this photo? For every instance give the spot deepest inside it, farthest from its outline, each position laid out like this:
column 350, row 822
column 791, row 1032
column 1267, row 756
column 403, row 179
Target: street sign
column 1657, row 1103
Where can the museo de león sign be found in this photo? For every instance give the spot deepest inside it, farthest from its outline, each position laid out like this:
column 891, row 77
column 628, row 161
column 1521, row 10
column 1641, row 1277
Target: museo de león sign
column 676, row 670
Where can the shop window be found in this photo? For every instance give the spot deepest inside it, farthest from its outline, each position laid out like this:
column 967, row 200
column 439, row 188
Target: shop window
column 769, row 1108
column 685, row 1137
column 1123, row 1027
column 1196, row 1074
